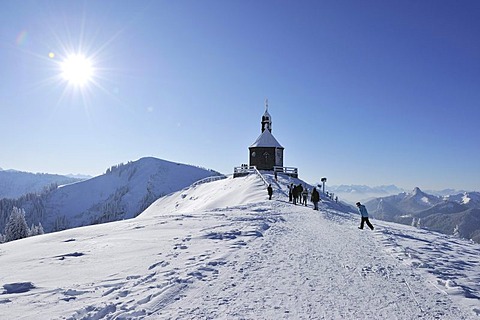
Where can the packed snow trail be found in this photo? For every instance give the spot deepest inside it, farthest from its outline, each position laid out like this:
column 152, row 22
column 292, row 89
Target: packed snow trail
column 314, row 266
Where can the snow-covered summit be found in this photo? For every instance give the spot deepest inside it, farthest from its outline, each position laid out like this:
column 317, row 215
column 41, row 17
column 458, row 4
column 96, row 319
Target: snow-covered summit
column 471, row 199
column 221, row 250
column 403, row 203
column 421, row 199
column 123, row 192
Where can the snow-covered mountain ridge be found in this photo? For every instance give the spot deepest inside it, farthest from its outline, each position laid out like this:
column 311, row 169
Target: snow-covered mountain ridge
column 457, row 215
column 122, row 192
column 221, row 250
column 363, row 193
column 14, row 184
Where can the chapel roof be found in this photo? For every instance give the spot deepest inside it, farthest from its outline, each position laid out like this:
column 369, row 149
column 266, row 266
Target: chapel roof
column 266, row 139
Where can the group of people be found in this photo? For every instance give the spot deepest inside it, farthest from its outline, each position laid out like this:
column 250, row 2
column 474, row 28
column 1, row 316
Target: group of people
column 300, row 193
column 297, row 193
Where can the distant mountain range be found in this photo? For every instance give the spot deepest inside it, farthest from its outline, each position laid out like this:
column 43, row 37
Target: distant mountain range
column 14, row 184
column 363, row 193
column 385, row 189
column 354, row 193
column 457, row 214
column 123, row 192
column 79, row 176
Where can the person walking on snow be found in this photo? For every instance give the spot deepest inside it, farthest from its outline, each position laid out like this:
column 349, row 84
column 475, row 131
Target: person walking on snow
column 290, row 192
column 270, row 192
column 315, row 198
column 295, row 194
column 299, row 193
column 305, row 195
column 364, row 213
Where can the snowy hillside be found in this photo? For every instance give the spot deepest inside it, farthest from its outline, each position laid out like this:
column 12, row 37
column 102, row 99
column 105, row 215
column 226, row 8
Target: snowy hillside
column 221, row 250
column 14, row 184
column 121, row 193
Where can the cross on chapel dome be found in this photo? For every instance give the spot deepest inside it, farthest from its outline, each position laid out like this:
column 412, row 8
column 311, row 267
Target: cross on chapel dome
column 266, row 119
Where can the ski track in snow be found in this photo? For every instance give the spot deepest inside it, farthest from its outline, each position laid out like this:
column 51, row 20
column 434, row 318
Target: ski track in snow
column 260, row 260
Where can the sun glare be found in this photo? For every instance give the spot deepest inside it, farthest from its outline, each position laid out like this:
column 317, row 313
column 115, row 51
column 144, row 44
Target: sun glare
column 77, row 70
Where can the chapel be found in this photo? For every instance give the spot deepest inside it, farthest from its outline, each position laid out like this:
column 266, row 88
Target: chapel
column 266, row 152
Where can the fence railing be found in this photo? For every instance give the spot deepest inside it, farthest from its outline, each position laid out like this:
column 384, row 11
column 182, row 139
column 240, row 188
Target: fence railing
column 287, row 170
column 246, row 170
column 261, row 176
column 207, row 180
column 243, row 170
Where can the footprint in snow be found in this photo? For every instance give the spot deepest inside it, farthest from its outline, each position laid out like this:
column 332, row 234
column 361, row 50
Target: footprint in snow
column 74, row 254
column 18, row 287
column 162, row 264
column 180, row 246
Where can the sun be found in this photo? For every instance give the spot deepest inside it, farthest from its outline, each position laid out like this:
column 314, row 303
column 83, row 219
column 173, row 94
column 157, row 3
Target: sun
column 77, row 70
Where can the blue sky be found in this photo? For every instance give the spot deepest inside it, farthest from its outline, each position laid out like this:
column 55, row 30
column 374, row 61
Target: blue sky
column 360, row 92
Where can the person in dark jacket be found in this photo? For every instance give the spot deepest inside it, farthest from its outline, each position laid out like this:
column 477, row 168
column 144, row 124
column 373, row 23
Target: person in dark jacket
column 270, row 192
column 295, row 194
column 364, row 213
column 299, row 193
column 315, row 198
column 290, row 192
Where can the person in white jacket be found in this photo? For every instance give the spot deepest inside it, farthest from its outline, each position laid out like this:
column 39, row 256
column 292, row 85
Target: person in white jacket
column 364, row 213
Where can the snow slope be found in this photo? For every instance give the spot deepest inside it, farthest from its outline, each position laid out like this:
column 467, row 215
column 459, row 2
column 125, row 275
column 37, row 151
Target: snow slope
column 221, row 250
column 121, row 193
